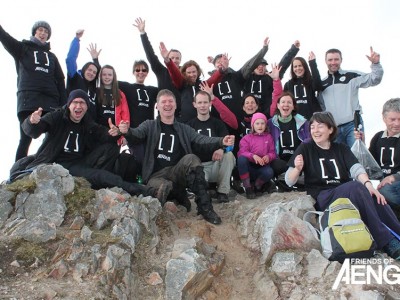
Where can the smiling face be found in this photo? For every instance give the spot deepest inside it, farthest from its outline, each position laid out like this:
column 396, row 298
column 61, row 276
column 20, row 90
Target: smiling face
column 166, row 105
column 77, row 109
column 392, row 121
column 261, row 69
column 298, row 68
column 107, row 76
column 90, row 73
column 333, row 62
column 259, row 126
column 140, row 73
column 285, row 106
column 191, row 74
column 175, row 57
column 320, row 133
column 42, row 34
column 250, row 105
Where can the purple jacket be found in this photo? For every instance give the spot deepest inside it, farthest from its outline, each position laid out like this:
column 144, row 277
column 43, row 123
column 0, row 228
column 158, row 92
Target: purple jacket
column 259, row 144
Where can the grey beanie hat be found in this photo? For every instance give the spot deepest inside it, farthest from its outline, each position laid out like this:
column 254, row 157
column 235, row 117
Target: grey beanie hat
column 43, row 24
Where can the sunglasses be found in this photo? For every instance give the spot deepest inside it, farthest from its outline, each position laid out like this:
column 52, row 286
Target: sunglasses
column 143, row 70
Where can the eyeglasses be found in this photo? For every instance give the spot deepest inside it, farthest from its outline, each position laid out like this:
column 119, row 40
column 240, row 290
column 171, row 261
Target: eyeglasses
column 143, row 70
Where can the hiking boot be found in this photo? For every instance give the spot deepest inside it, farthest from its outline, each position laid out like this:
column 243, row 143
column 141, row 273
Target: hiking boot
column 162, row 192
column 222, row 198
column 393, row 248
column 258, row 191
column 237, row 186
column 210, row 216
column 250, row 193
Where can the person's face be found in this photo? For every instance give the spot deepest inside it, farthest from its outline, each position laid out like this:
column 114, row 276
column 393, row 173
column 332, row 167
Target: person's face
column 392, row 121
column 250, row 105
column 202, row 105
column 320, row 132
column 175, row 57
column 222, row 62
column 191, row 74
column 90, row 73
column 107, row 77
column 42, row 34
column 285, row 106
column 259, row 126
column 166, row 105
column 333, row 62
column 77, row 109
column 298, row 68
column 140, row 73
column 261, row 69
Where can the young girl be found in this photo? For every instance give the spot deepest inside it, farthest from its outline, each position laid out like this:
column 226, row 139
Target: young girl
column 110, row 100
column 256, row 151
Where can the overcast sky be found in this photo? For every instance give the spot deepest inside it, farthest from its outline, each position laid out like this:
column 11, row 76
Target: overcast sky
column 202, row 28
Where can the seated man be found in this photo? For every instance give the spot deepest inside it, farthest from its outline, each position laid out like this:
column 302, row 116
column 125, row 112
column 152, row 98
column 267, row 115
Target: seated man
column 169, row 156
column 217, row 165
column 385, row 148
column 70, row 133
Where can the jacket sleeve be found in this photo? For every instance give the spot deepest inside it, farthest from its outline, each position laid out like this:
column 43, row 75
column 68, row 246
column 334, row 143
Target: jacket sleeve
column 316, row 77
column 253, row 62
column 277, row 85
column 34, row 130
column 226, row 115
column 370, row 79
column 122, row 110
column 244, row 148
column 215, row 77
column 286, row 60
column 176, row 75
column 271, row 148
column 12, row 46
column 72, row 56
column 155, row 63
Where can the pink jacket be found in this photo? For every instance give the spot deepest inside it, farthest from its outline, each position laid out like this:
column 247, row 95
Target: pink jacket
column 259, row 144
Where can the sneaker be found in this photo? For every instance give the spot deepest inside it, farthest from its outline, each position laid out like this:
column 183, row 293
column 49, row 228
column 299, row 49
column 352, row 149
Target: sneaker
column 162, row 192
column 222, row 198
column 211, row 216
column 393, row 249
column 250, row 193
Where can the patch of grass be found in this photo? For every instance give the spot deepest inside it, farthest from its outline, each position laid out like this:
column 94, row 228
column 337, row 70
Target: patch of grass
column 103, row 237
column 26, row 251
column 77, row 201
column 25, row 184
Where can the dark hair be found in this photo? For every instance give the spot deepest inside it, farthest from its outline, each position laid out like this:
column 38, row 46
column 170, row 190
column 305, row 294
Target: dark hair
column 188, row 64
column 307, row 81
column 250, row 95
column 140, row 62
column 325, row 117
column 175, row 50
column 165, row 92
column 84, row 68
column 333, row 50
column 284, row 94
column 114, row 88
column 202, row 93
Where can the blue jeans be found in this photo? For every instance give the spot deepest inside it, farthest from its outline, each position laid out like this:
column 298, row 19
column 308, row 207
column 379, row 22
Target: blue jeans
column 346, row 133
column 391, row 192
column 254, row 171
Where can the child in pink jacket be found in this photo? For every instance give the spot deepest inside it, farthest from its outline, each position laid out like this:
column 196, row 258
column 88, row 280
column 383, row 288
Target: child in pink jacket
column 256, row 151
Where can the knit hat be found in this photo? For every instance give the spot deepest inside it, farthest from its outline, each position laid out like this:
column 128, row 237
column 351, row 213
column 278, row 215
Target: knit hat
column 43, row 24
column 257, row 116
column 78, row 94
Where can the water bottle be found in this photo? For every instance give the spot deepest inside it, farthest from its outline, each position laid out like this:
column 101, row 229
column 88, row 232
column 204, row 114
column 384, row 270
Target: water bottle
column 139, row 179
column 228, row 148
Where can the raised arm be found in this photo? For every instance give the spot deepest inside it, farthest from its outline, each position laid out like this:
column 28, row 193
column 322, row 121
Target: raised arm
column 253, row 62
column 316, row 77
column 277, row 86
column 73, row 53
column 176, row 76
column 287, row 58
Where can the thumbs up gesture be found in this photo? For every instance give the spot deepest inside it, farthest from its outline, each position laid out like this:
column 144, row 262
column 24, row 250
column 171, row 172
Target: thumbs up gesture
column 114, row 130
column 36, row 116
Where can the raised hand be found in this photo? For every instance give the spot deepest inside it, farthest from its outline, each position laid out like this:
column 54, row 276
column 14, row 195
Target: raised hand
column 311, row 56
column 374, row 56
column 36, row 116
column 266, row 41
column 164, row 51
column 140, row 25
column 79, row 33
column 296, row 44
column 206, row 88
column 275, row 71
column 94, row 53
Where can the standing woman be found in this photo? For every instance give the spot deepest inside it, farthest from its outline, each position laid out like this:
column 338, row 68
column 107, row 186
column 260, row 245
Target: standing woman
column 331, row 171
column 110, row 100
column 86, row 78
column 40, row 79
column 289, row 129
column 304, row 86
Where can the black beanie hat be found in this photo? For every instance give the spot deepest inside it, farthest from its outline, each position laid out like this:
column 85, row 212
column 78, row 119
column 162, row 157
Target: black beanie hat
column 43, row 24
column 78, row 94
